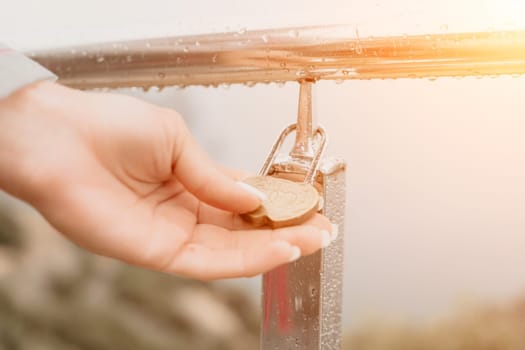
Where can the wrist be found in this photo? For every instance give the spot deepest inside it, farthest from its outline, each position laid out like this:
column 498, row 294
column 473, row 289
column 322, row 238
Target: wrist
column 20, row 126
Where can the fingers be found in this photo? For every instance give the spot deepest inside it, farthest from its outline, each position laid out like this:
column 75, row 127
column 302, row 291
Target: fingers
column 236, row 174
column 216, row 252
column 201, row 262
column 317, row 233
column 222, row 218
column 200, row 175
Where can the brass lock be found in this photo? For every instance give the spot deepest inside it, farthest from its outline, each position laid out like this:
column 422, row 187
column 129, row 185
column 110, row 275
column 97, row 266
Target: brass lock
column 288, row 202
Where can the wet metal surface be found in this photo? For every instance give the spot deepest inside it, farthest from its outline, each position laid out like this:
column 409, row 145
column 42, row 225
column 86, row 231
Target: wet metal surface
column 302, row 301
column 279, row 55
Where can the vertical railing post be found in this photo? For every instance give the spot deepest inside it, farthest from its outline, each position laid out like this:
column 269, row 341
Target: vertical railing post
column 302, row 301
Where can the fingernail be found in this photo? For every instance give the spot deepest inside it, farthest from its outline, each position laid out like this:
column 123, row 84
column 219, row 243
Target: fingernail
column 261, row 195
column 296, row 254
column 335, row 232
column 326, row 239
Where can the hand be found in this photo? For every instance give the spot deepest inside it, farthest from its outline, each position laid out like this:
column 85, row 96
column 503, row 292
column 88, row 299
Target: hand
column 125, row 179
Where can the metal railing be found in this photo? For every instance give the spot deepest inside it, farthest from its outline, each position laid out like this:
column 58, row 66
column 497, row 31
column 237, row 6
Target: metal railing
column 314, row 53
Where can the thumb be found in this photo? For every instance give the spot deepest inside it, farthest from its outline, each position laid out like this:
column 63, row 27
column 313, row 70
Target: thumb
column 203, row 178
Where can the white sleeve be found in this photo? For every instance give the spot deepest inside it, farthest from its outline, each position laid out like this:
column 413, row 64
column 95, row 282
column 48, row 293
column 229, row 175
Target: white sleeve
column 16, row 71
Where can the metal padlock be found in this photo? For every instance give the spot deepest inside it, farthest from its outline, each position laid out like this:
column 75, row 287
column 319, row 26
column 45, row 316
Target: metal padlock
column 302, row 301
column 289, row 202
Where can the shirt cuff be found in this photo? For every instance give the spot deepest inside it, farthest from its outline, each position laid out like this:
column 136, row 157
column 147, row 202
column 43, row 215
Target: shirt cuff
column 17, row 71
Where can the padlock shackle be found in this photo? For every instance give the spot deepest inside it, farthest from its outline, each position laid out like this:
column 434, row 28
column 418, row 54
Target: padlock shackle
column 275, row 148
column 314, row 164
column 316, row 161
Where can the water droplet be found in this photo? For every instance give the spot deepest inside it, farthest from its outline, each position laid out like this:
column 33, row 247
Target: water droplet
column 197, row 43
column 300, row 73
column 265, row 38
column 432, row 78
column 100, row 59
column 444, row 27
column 293, row 33
column 186, row 49
column 298, row 303
column 162, row 75
column 250, row 83
column 339, row 81
column 148, row 44
column 129, row 58
column 428, row 37
column 104, row 89
column 242, row 31
column 84, row 53
column 178, row 60
column 214, row 59
column 73, row 51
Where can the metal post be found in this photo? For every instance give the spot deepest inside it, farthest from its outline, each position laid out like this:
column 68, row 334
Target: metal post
column 303, row 147
column 302, row 301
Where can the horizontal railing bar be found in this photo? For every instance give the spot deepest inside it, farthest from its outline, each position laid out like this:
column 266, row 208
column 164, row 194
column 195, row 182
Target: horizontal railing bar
column 250, row 57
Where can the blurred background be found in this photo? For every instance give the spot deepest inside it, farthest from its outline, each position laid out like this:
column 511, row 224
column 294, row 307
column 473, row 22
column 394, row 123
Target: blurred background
column 435, row 224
